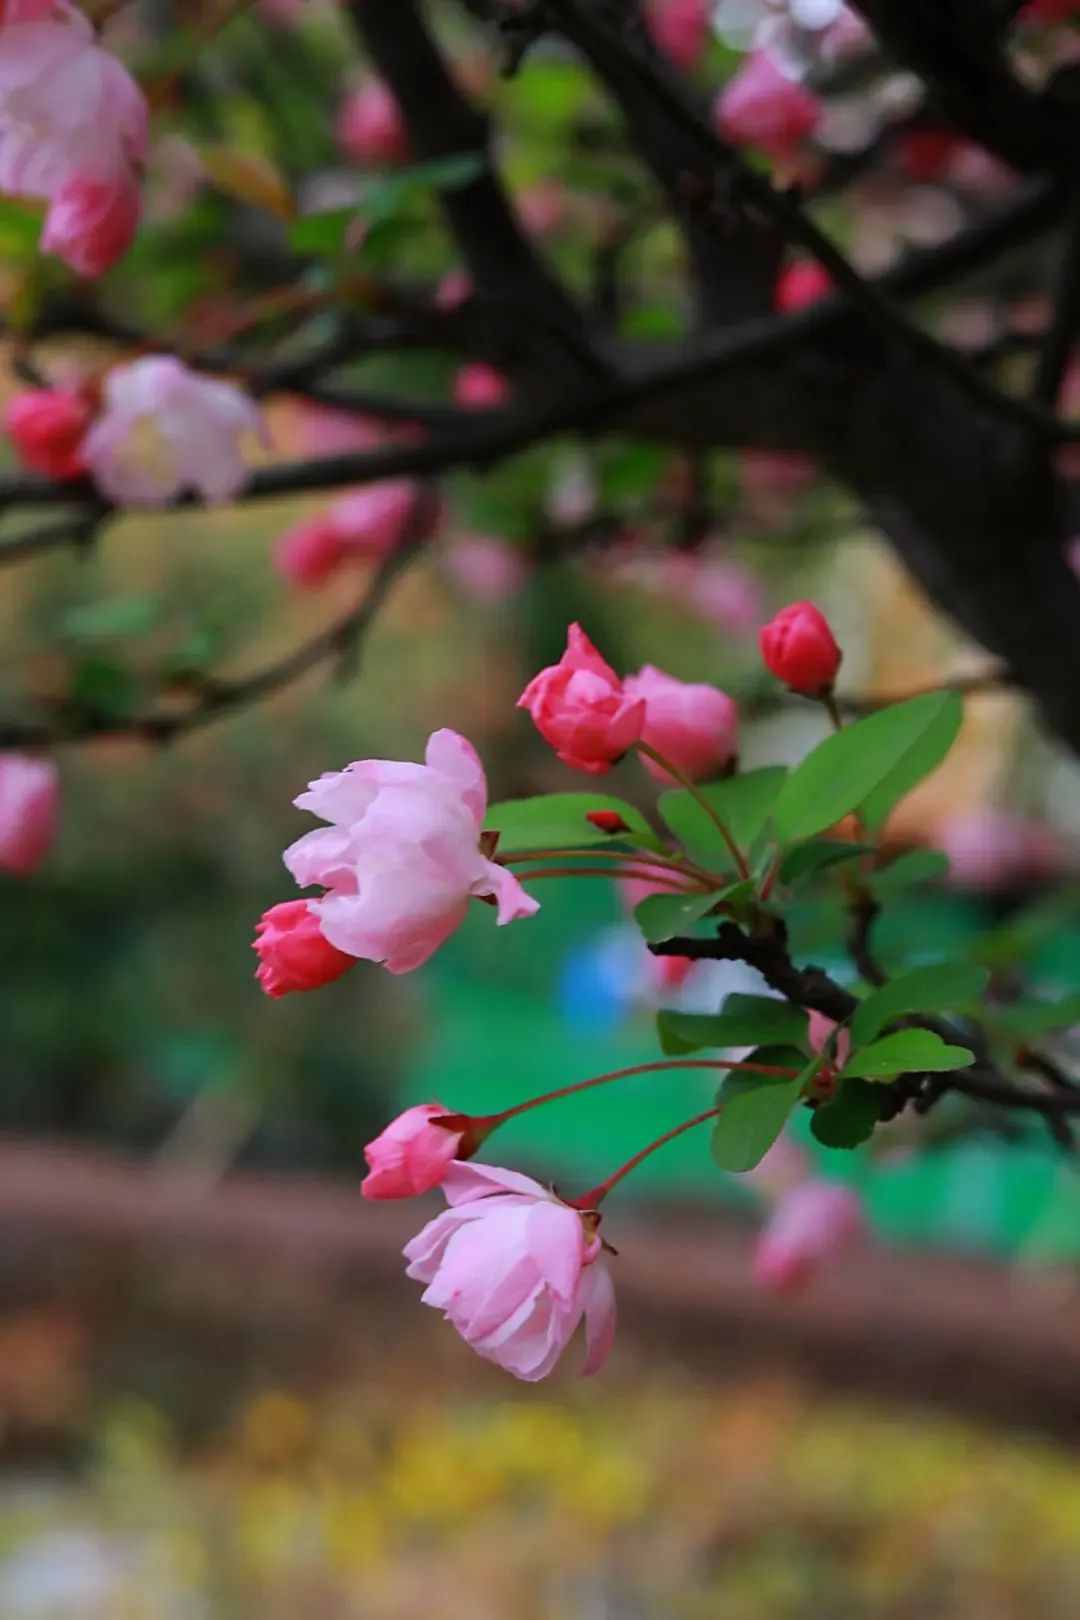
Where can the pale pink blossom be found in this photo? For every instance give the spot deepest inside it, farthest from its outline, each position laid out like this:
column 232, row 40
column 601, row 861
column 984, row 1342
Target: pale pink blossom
column 761, row 106
column 989, row 848
column 401, row 856
column 370, row 127
column 811, row 1225
column 325, row 431
column 693, row 725
column 485, row 568
column 479, row 387
column 374, row 520
column 680, row 28
column 47, row 427
column 293, row 952
column 29, row 811
column 412, row 1155
column 580, row 707
column 92, row 222
column 515, row 1271
column 165, row 429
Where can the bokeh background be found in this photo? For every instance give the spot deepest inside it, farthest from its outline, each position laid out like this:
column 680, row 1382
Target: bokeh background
column 218, row 1398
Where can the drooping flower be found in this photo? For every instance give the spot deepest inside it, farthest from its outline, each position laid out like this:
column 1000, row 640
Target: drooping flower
column 581, row 707
column 761, row 106
column 293, row 952
column 29, row 811
column 165, row 429
column 370, row 127
column 693, row 725
column 47, row 427
column 799, row 648
column 72, row 129
column 412, row 1155
column 401, row 856
column 515, row 1271
column 810, row 1225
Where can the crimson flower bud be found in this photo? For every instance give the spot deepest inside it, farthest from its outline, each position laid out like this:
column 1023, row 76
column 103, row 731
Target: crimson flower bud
column 47, row 427
column 606, row 821
column 799, row 649
column 293, row 952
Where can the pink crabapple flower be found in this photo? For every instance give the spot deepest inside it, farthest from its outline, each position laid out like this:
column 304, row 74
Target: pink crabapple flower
column 73, row 127
column 680, row 28
column 809, row 1226
column 693, row 725
column 373, row 521
column 370, row 127
column 581, row 707
column 479, row 387
column 309, row 553
column 29, row 811
column 165, row 429
column 800, row 284
column 92, row 222
column 412, row 1155
column 515, row 1271
column 293, row 952
column 799, row 648
column 485, row 568
column 47, row 427
column 401, row 856
column 761, row 106
column 989, row 848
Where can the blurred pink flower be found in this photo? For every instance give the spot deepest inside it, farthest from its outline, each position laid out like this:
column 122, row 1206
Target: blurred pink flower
column 91, row 223
column 370, row 127
column 485, row 568
column 293, row 952
column 542, row 207
column 309, row 553
column 165, row 429
column 693, row 725
column 29, row 811
column 811, row 1225
column 47, row 427
column 401, row 856
column 680, row 28
column 453, row 290
column 580, row 707
column 479, row 387
column 991, row 849
column 761, row 106
column 373, row 521
column 411, row 1155
column 515, row 1271
column 801, row 283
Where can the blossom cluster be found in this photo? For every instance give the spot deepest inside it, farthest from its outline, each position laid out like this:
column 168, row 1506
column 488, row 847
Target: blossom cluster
column 73, row 126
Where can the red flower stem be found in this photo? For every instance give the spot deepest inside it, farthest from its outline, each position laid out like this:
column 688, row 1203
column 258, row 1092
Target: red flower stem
column 695, row 793
column 608, row 872
column 593, row 1200
column 489, row 1122
column 665, row 863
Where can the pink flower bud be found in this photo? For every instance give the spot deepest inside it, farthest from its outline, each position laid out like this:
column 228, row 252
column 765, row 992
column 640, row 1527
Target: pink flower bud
column 293, row 951
column 514, row 1270
column 373, row 521
column 453, row 290
column 693, row 725
column 811, row 1225
column 29, row 811
column 679, row 28
column 479, row 387
column 762, row 107
column 46, row 426
column 412, row 1155
column 370, row 127
column 800, row 284
column 799, row 649
column 580, row 707
column 91, row 222
column 309, row 553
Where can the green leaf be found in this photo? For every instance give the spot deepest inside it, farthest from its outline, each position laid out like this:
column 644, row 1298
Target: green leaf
column 557, row 821
column 743, row 1021
column 908, row 1051
column 106, row 621
column 916, row 866
column 756, row 1109
column 391, row 195
column 742, row 802
column 874, row 761
column 664, row 916
column 323, row 234
column 1024, row 1018
column 818, row 854
column 924, row 756
column 850, row 1118
column 936, row 988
